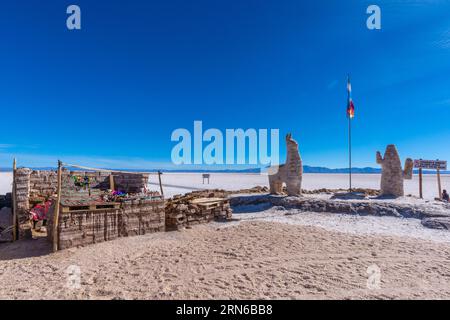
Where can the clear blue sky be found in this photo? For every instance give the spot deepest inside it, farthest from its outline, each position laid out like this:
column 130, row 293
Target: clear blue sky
column 112, row 93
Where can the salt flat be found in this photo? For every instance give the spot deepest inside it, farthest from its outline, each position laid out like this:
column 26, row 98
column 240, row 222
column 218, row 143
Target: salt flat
column 5, row 182
column 178, row 183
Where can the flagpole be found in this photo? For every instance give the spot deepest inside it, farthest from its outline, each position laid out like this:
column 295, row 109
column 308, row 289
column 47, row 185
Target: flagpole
column 349, row 115
column 350, row 152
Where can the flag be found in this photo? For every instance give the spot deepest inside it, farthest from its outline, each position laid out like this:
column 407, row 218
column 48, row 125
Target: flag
column 350, row 105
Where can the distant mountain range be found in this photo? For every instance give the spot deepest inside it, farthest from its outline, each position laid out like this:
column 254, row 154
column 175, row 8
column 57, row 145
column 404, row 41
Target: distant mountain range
column 306, row 169
column 309, row 169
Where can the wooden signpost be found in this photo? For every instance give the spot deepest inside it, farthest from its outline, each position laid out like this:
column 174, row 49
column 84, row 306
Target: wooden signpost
column 160, row 183
column 56, row 210
column 437, row 165
column 439, row 183
column 14, row 205
column 205, row 176
column 111, row 182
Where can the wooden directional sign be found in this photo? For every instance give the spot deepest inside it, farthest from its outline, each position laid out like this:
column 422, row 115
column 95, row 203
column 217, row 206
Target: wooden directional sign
column 430, row 164
column 434, row 165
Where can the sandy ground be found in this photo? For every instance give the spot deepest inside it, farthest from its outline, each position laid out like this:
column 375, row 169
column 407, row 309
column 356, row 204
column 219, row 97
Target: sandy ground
column 249, row 260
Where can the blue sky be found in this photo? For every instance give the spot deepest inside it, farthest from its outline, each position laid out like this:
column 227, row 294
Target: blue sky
column 112, row 93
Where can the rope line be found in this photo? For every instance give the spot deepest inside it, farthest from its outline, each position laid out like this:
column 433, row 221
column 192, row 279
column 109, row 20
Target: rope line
column 105, row 170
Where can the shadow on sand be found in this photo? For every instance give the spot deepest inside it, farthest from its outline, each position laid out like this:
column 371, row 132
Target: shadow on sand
column 25, row 249
column 384, row 198
column 252, row 203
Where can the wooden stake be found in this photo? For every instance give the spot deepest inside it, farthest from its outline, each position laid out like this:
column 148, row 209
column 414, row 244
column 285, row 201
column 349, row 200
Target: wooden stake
column 14, row 206
column 439, row 183
column 111, row 182
column 56, row 212
column 420, row 183
column 160, row 183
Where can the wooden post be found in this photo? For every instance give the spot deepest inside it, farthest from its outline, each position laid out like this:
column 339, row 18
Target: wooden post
column 420, row 183
column 14, row 205
column 56, row 212
column 111, row 182
column 160, row 183
column 439, row 182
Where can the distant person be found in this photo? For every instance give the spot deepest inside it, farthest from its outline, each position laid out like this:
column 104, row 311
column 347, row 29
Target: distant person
column 445, row 196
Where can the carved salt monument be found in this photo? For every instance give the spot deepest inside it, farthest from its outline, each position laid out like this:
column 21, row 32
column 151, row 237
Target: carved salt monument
column 392, row 174
column 289, row 173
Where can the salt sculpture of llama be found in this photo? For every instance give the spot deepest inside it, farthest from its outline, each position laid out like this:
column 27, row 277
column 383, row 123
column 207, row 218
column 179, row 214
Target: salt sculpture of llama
column 289, row 173
column 392, row 174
